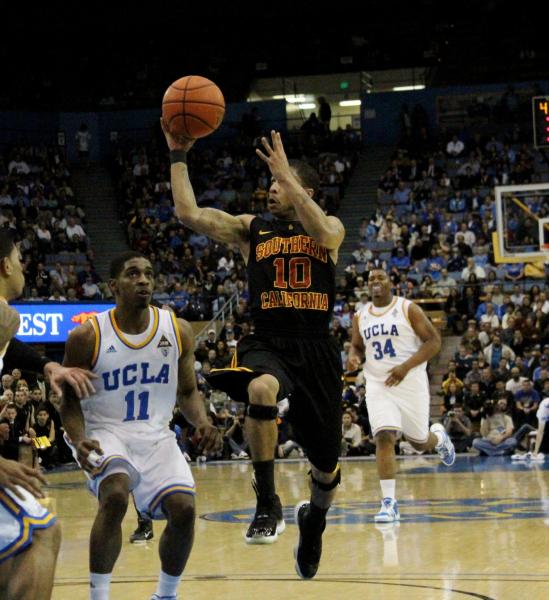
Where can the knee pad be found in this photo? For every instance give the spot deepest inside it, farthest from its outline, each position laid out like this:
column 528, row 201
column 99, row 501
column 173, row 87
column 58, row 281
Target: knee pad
column 326, row 487
column 261, row 412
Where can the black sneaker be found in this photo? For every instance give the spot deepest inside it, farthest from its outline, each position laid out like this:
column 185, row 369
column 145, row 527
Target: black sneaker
column 309, row 547
column 143, row 533
column 268, row 522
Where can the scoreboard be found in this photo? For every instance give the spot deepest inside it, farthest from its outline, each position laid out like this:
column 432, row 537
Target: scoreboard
column 540, row 117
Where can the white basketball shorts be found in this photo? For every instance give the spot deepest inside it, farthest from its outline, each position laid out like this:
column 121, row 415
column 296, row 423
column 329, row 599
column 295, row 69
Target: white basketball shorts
column 156, row 468
column 403, row 407
column 18, row 519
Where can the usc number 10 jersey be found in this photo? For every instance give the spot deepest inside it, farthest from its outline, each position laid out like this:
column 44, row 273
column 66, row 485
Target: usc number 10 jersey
column 291, row 280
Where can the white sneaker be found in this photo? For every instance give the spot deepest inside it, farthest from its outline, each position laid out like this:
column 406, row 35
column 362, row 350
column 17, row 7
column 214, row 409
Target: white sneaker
column 243, row 455
column 446, row 449
column 388, row 512
column 517, row 456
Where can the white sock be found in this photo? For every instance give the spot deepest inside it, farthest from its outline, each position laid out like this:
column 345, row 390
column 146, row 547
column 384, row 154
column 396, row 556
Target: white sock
column 439, row 437
column 388, row 488
column 167, row 584
column 100, row 585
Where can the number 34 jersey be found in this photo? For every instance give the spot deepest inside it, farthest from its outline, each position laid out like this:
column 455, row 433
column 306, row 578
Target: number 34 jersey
column 389, row 339
column 137, row 375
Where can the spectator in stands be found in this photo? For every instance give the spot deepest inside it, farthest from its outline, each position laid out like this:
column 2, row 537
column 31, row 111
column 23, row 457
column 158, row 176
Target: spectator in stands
column 472, row 269
column 527, row 400
column 455, row 147
column 427, row 287
column 496, row 430
column 452, row 379
column 401, row 261
column 389, row 230
column 90, row 290
column 44, row 428
column 514, row 271
column 351, row 436
column 17, row 434
column 457, row 261
column 496, row 351
column 453, row 395
column 490, row 316
column 459, row 427
column 73, row 228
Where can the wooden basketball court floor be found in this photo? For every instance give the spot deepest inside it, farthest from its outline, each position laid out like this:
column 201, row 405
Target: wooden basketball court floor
column 478, row 530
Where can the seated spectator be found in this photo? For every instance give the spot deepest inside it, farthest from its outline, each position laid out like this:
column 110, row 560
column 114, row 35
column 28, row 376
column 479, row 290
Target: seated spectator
column 459, row 427
column 472, row 269
column 474, row 400
column 452, row 380
column 235, row 436
column 455, row 147
column 496, row 430
column 515, row 384
column 90, row 290
column 44, row 427
column 496, row 351
column 527, row 400
column 401, row 261
column 453, row 396
column 514, row 271
column 351, row 436
column 17, row 434
column 389, row 230
column 427, row 287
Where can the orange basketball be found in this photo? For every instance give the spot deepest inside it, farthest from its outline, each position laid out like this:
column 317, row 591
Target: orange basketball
column 193, row 107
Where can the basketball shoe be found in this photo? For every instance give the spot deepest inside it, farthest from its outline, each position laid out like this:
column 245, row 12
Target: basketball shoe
column 388, row 512
column 268, row 522
column 143, row 533
column 309, row 547
column 445, row 449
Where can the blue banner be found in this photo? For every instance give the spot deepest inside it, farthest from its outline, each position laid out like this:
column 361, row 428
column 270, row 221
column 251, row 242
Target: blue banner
column 51, row 321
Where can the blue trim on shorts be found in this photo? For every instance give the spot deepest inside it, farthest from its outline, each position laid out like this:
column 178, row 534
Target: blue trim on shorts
column 155, row 505
column 27, row 525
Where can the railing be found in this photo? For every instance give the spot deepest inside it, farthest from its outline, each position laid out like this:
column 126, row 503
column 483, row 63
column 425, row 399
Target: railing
column 221, row 315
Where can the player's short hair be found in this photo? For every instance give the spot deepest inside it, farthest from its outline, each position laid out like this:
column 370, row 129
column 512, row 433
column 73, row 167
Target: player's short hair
column 117, row 263
column 7, row 243
column 308, row 175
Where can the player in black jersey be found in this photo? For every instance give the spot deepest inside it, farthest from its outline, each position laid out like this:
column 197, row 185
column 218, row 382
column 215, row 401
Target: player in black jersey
column 291, row 268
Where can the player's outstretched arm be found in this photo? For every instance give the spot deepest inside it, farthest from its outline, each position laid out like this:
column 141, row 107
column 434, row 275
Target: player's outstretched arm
column 217, row 224
column 188, row 398
column 78, row 353
column 327, row 231
column 356, row 353
column 431, row 345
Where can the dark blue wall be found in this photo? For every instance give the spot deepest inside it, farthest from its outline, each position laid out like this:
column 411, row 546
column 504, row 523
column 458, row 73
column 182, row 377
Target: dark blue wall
column 380, row 112
column 43, row 128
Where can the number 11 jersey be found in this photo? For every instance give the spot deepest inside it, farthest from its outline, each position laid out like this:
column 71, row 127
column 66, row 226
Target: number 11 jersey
column 137, row 376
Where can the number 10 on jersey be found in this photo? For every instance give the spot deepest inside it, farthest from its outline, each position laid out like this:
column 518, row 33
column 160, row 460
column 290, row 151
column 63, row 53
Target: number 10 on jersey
column 143, row 413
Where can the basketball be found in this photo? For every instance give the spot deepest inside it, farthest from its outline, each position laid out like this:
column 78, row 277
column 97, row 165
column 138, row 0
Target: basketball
column 193, row 107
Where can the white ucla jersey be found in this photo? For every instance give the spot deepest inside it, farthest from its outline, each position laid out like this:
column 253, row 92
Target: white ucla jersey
column 389, row 339
column 137, row 375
